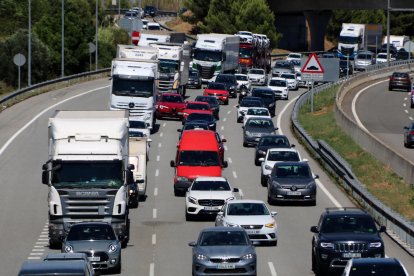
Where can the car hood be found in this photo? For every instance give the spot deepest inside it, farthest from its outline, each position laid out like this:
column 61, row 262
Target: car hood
column 90, row 245
column 249, row 220
column 293, row 181
column 259, row 130
column 172, row 105
column 256, row 76
column 225, row 251
column 346, row 237
column 215, row 91
column 193, row 172
column 211, row 194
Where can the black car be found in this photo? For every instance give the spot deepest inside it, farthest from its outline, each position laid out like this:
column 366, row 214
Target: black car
column 150, row 11
column 268, row 97
column 230, row 81
column 194, row 79
column 207, row 118
column 409, row 135
column 212, row 101
column 374, row 266
column 402, row 55
column 270, row 141
column 345, row 68
column 291, row 181
column 393, row 49
column 400, row 80
column 193, row 125
column 343, row 234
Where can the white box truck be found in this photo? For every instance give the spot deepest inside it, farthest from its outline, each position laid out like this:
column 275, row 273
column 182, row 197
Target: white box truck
column 397, row 40
column 351, row 39
column 87, row 171
column 216, row 53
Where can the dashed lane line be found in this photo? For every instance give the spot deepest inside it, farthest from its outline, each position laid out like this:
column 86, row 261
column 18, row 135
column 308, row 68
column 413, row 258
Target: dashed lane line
column 222, row 128
column 229, row 159
column 161, row 134
column 228, row 112
column 224, row 119
column 155, row 191
column 159, row 145
column 234, row 174
column 158, row 158
column 154, row 239
column 272, row 269
column 154, row 213
column 151, row 269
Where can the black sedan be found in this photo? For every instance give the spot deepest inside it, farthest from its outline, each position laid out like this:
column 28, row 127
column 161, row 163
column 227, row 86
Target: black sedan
column 255, row 128
column 291, row 181
column 270, row 141
column 207, row 118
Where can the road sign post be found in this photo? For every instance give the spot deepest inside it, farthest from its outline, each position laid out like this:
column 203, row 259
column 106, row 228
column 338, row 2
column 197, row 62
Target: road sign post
column 312, row 71
column 19, row 60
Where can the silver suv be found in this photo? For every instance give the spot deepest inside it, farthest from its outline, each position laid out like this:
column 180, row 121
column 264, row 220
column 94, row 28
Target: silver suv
column 363, row 60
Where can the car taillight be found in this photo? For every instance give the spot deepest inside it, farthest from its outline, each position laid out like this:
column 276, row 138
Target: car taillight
column 411, row 133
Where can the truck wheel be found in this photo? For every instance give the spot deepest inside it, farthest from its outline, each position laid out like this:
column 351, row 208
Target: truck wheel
column 54, row 243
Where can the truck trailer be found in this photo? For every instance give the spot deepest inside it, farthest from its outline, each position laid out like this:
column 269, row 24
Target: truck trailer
column 87, row 171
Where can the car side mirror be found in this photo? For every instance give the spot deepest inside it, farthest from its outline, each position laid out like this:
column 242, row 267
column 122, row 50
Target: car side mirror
column 274, row 213
column 314, row 229
column 130, row 167
column 172, row 163
column 242, row 127
column 236, row 190
column 305, row 160
column 179, row 130
column 237, row 106
column 192, row 244
column 45, row 177
column 405, row 127
column 261, row 159
column 316, row 176
column 382, row 228
column 276, row 128
column 225, row 164
column 224, row 140
column 292, row 145
column 149, row 140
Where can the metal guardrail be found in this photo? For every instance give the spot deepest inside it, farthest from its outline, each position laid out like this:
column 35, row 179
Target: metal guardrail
column 398, row 228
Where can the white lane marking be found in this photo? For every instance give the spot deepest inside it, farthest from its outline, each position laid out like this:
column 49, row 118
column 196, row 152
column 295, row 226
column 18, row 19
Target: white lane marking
column 158, row 158
column 159, row 145
column 406, row 111
column 39, row 246
column 225, row 147
column 411, row 118
column 44, row 232
column 328, row 194
column 404, row 104
column 229, row 159
column 41, row 242
column 279, row 118
column 154, row 239
column 43, row 239
column 228, row 112
column 6, row 145
column 161, row 134
column 272, row 269
column 36, row 254
column 151, row 270
column 33, row 258
column 234, row 174
column 154, row 213
column 224, row 119
column 38, row 249
column 157, row 172
column 155, row 191
column 222, row 127
column 405, row 98
column 44, row 236
column 164, row 124
column 354, row 100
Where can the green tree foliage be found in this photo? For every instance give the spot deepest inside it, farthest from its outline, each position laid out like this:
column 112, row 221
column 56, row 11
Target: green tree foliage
column 199, row 8
column 402, row 23
column 109, row 38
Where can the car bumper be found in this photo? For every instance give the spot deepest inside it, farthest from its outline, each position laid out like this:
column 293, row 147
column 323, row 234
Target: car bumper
column 262, row 235
column 258, row 82
column 281, row 194
column 281, row 94
column 201, row 268
column 252, row 140
column 400, row 85
column 103, row 260
column 170, row 113
column 334, row 260
column 193, row 83
column 195, row 209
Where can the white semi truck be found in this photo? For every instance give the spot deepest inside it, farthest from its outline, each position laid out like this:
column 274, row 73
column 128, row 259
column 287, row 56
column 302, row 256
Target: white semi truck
column 133, row 82
column 351, row 39
column 87, row 171
column 397, row 40
column 216, row 53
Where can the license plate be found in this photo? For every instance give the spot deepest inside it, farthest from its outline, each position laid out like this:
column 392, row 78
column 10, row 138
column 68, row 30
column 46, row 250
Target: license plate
column 226, row 266
column 211, row 208
column 295, row 193
column 252, row 231
column 94, row 259
column 351, row 255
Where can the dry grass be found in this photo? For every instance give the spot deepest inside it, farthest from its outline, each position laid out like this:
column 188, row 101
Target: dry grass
column 178, row 25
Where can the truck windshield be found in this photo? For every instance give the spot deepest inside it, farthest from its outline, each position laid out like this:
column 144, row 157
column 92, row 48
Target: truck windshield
column 132, row 87
column 87, row 175
column 245, row 53
column 168, row 66
column 349, row 39
column 198, row 158
column 205, row 55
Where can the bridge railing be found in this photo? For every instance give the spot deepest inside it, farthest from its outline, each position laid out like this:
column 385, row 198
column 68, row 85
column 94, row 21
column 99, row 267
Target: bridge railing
column 398, row 228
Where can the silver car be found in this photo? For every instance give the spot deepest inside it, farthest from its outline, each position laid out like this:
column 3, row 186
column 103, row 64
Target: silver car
column 224, row 251
column 98, row 241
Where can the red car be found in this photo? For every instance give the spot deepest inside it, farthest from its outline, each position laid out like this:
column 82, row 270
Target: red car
column 217, row 90
column 170, row 105
column 196, row 107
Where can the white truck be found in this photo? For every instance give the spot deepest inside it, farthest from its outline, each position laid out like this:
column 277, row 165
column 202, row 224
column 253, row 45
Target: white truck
column 139, row 156
column 397, row 40
column 87, row 171
column 351, row 39
column 173, row 66
column 133, row 82
column 216, row 53
column 153, row 36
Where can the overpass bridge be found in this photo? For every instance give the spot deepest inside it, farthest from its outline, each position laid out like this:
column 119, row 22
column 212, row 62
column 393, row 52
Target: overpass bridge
column 292, row 16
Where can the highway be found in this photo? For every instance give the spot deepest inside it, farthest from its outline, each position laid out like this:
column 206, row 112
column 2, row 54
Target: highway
column 159, row 232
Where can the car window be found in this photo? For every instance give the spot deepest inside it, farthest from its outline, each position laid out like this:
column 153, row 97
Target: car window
column 215, row 85
column 274, row 141
column 292, row 171
column 247, row 209
column 377, row 269
column 348, row 224
column 283, row 156
column 198, row 158
column 223, row 238
column 257, row 72
column 84, row 233
column 171, row 99
column 259, row 123
column 210, row 186
column 200, row 116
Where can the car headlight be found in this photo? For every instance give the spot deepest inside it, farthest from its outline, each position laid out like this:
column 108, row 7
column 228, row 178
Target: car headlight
column 270, row 225
column 201, row 257
column 310, row 185
column 112, row 248
column 163, row 107
column 328, row 245
column 248, row 133
column 230, row 198
column 182, row 178
column 192, row 200
column 267, row 167
column 232, row 224
column 276, row 184
column 375, row 244
column 68, row 248
column 248, row 256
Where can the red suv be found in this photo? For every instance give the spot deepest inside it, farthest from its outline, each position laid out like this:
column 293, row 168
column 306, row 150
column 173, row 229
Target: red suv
column 217, row 90
column 170, row 105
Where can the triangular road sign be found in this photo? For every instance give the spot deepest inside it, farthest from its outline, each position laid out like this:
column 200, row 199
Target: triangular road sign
column 312, row 65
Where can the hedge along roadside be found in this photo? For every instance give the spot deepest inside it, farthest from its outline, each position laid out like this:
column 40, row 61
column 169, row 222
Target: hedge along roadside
column 398, row 228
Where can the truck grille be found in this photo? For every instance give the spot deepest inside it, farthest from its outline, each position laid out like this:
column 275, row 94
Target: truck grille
column 206, row 72
column 165, row 86
column 350, row 247
column 135, row 109
column 80, row 204
column 211, row 202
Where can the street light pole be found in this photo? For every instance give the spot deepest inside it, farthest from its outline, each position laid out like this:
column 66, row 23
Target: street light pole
column 29, row 50
column 63, row 41
column 96, row 36
column 388, row 32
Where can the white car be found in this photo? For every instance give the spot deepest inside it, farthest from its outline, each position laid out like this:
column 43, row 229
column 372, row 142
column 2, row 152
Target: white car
column 153, row 26
column 252, row 215
column 246, row 104
column 144, row 24
column 302, row 83
column 273, row 156
column 137, row 125
column 382, row 57
column 280, row 87
column 294, row 56
column 243, row 79
column 256, row 112
column 291, row 79
column 207, row 195
column 257, row 76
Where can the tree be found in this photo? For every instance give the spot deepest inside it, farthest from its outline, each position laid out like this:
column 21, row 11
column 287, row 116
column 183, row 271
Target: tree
column 109, row 38
column 199, row 8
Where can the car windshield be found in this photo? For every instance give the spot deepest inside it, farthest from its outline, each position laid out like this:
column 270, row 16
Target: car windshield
column 210, row 186
column 206, row 55
column 250, row 103
column 198, row 158
column 258, row 111
column 281, row 83
column 265, row 94
column 377, row 270
column 258, row 123
column 171, row 99
column 292, row 171
column 197, row 106
column 225, row 79
column 132, row 87
column 223, row 238
column 216, row 86
column 348, row 224
column 211, row 100
column 200, row 117
column 241, row 78
column 245, row 53
column 247, row 209
column 257, row 72
column 288, row 76
column 364, row 56
column 167, row 66
column 137, row 124
column 195, row 126
column 93, row 232
column 277, row 142
column 283, row 156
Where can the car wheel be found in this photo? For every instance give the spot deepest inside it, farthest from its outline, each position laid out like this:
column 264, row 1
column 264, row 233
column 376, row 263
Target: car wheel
column 188, row 217
column 406, row 144
column 245, row 144
column 263, row 180
column 257, row 162
column 412, row 105
column 54, row 243
column 313, row 262
column 390, row 88
column 176, row 192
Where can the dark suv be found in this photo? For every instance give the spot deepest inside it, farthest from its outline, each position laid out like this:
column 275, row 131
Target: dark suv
column 400, row 80
column 342, row 234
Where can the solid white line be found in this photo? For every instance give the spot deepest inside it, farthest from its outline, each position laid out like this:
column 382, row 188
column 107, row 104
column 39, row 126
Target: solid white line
column 151, row 270
column 159, row 145
column 272, row 269
column 228, row 112
column 224, row 119
column 5, row 146
column 157, row 172
column 154, row 213
column 158, row 158
column 155, row 191
column 406, row 111
column 234, row 174
column 161, row 134
column 330, row 196
column 229, row 159
column 411, row 118
column 354, row 100
column 154, row 239
column 279, row 117
column 164, row 124
column 222, row 127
